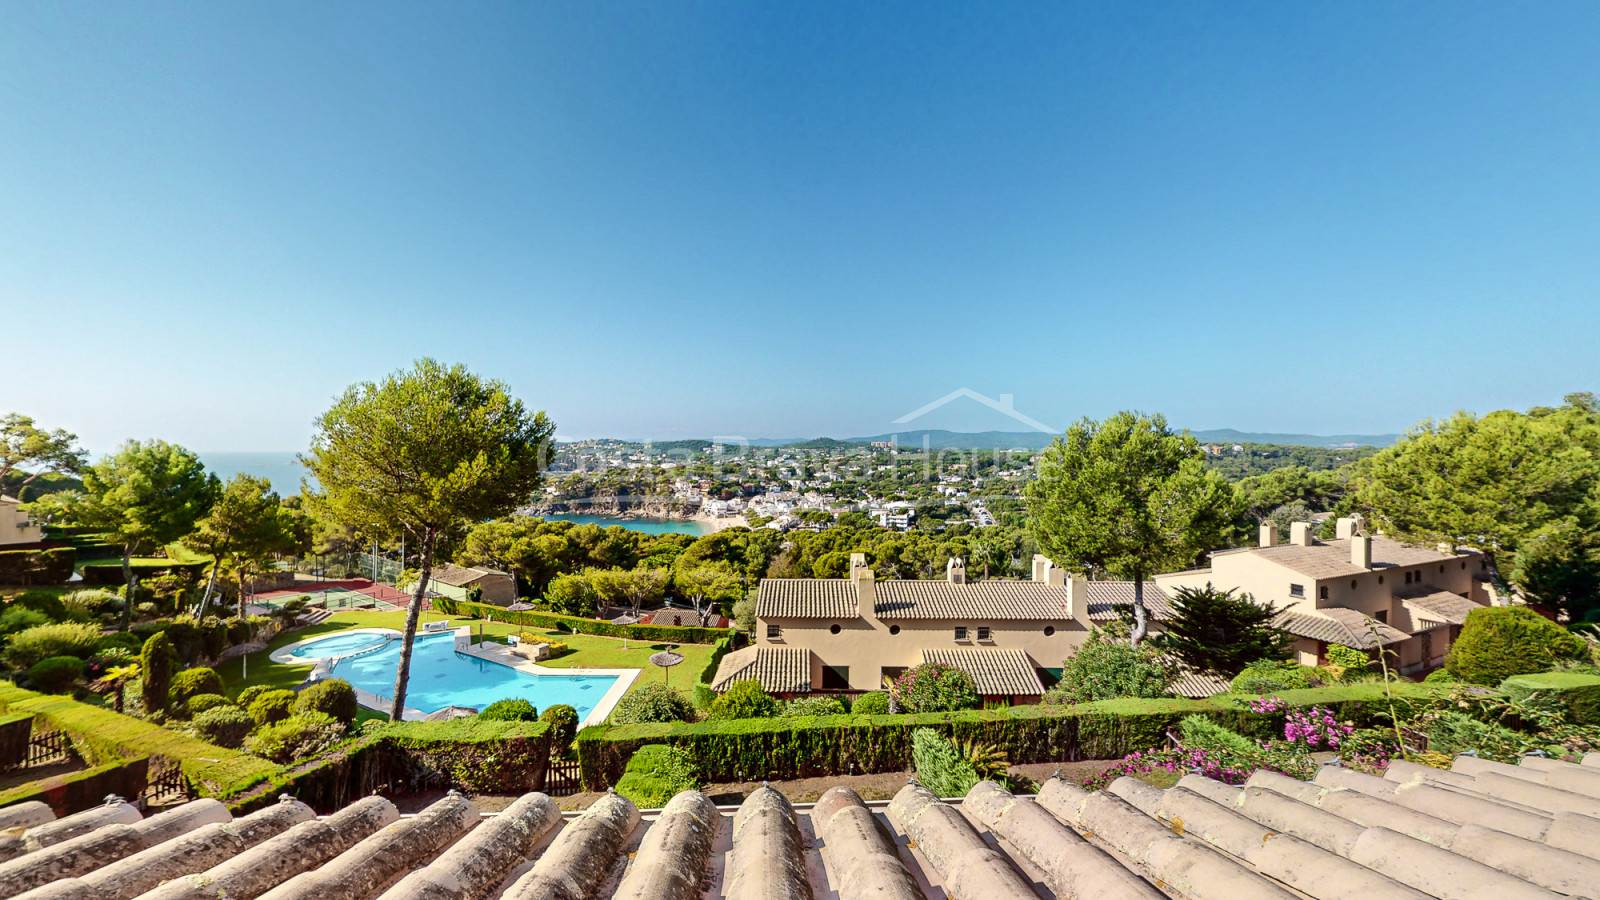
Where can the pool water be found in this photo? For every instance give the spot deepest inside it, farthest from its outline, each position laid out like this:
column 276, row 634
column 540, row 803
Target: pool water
column 441, row 677
column 339, row 645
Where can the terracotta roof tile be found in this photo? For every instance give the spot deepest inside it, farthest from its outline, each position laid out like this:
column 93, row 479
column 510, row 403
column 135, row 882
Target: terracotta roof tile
column 1340, row 625
column 996, row 672
column 779, row 670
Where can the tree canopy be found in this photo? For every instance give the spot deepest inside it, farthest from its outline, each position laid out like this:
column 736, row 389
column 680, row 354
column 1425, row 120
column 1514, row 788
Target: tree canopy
column 1130, row 498
column 1222, row 631
column 245, row 530
column 24, row 447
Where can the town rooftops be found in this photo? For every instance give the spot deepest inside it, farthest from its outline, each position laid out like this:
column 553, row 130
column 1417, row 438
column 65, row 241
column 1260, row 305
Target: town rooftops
column 1331, row 559
column 1479, row 831
column 460, row 576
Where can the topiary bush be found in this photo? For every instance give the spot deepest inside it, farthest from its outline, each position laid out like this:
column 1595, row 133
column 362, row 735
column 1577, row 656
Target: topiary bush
column 935, row 687
column 301, row 736
column 940, row 766
column 156, row 661
column 55, row 675
column 1577, row 693
column 511, row 709
column 822, row 705
column 250, row 693
column 875, row 703
column 41, row 642
column 1269, row 676
column 225, row 725
column 1498, row 642
column 563, row 722
column 744, row 700
column 1107, row 667
column 191, row 683
column 239, row 631
column 653, row 702
column 122, row 640
column 656, row 774
column 271, row 706
column 202, row 702
column 334, row 697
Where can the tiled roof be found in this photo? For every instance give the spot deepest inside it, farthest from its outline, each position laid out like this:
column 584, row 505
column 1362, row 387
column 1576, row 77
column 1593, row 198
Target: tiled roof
column 806, row 598
column 1331, row 559
column 1340, row 625
column 1199, row 685
column 459, row 576
column 1479, row 830
column 989, row 599
column 996, row 672
column 1430, row 604
column 1105, row 596
column 779, row 670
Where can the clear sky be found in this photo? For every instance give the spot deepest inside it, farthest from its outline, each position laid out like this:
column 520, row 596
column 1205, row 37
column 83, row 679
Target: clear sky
column 796, row 219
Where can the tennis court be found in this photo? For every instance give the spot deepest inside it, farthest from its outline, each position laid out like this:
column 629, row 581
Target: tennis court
column 337, row 595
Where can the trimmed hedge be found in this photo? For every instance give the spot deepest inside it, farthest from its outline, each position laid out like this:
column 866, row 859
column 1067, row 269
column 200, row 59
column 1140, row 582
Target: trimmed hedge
column 704, row 696
column 111, row 573
column 785, row 748
column 75, row 792
column 37, row 566
column 1578, row 693
column 670, row 634
column 101, row 736
column 16, row 729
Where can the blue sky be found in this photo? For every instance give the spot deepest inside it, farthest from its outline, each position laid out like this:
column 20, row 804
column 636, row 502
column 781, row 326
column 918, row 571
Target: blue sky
column 687, row 219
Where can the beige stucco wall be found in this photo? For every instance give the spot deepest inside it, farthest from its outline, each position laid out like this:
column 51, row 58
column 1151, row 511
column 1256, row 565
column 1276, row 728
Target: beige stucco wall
column 12, row 530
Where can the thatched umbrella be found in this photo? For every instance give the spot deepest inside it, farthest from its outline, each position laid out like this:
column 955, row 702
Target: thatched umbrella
column 521, row 606
column 666, row 659
column 448, row 713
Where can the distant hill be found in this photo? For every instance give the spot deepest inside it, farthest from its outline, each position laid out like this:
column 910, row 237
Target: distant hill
column 1035, row 440
column 1230, row 436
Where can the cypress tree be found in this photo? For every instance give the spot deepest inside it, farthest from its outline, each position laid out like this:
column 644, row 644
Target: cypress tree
column 155, row 667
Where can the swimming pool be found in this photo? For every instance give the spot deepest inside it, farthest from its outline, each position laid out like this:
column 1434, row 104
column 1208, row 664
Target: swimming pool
column 342, row 644
column 442, row 677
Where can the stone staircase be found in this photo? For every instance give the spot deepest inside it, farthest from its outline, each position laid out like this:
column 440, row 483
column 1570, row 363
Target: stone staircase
column 314, row 617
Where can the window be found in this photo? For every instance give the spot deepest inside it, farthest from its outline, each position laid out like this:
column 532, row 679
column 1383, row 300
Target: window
column 1049, row 630
column 890, row 673
column 1049, row 677
column 894, row 629
column 836, row 678
column 1382, row 615
column 1441, row 570
column 1380, row 579
column 1352, row 584
column 1408, row 578
column 1322, row 592
column 983, row 632
column 834, row 628
column 1297, row 590
column 961, row 632
column 774, row 632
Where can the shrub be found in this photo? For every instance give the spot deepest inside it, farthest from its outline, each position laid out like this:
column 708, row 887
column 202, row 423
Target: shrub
column 92, row 600
column 202, row 702
column 224, row 725
column 744, row 700
column 557, row 648
column 1107, row 667
column 1576, row 693
column 511, row 709
column 239, row 631
column 1440, row 676
column 656, row 774
column 563, row 721
column 334, row 697
column 56, row 674
column 42, row 601
column 21, row 618
column 875, row 703
column 1498, row 642
column 940, row 766
column 300, row 736
column 1347, row 657
column 249, row 694
column 1201, row 733
column 192, row 683
column 813, row 706
column 653, row 702
column 271, row 706
column 1454, row 732
column 44, row 641
column 935, row 687
column 1270, row 676
column 122, row 640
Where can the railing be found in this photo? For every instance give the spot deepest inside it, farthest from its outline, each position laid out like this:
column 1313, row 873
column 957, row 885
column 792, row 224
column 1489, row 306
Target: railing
column 166, row 787
column 47, row 748
column 563, row 778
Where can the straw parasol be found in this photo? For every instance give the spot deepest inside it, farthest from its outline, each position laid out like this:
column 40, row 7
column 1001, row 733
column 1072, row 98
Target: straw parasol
column 521, row 606
column 666, row 659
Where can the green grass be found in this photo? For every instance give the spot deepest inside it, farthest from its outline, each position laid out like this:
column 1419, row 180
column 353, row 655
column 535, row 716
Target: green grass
column 587, row 651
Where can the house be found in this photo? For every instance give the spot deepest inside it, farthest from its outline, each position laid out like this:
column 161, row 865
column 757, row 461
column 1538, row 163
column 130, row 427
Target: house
column 849, row 634
column 15, row 525
column 498, row 587
column 1356, row 591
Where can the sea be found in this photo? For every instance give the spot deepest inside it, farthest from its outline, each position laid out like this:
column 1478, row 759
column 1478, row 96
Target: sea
column 648, row 526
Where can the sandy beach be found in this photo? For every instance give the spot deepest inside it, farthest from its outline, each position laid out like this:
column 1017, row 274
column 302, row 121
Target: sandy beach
column 715, row 524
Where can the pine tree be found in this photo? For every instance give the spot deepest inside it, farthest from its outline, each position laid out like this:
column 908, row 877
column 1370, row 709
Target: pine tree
column 1221, row 631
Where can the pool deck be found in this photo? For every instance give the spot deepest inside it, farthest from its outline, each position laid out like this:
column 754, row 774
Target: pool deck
column 489, row 652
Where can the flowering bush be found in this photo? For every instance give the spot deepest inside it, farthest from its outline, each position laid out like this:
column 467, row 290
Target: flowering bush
column 1368, row 750
column 1316, row 728
column 935, row 687
column 1212, row 764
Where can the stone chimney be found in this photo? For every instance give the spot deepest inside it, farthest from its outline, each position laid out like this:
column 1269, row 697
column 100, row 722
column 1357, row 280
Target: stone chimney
column 1078, row 600
column 1345, row 528
column 1360, row 550
column 866, row 588
column 1269, row 534
column 1300, row 534
column 956, row 570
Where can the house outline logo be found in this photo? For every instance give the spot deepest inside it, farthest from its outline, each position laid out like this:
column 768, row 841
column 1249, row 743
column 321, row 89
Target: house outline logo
column 1005, row 406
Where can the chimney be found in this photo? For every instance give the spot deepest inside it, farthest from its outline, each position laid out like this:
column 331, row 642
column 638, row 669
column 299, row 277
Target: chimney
column 866, row 588
column 1346, row 528
column 1269, row 534
column 1361, row 551
column 1300, row 534
column 956, row 570
column 1447, row 549
column 1078, row 601
column 1041, row 565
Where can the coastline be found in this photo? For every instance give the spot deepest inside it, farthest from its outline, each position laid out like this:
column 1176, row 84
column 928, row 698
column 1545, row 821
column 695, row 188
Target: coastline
column 718, row 523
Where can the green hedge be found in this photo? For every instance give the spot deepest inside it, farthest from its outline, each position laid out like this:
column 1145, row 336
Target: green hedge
column 77, row 791
column 1577, row 692
column 703, row 694
column 806, row 746
column 111, row 573
column 16, row 729
column 102, row 736
column 668, row 634
column 37, row 566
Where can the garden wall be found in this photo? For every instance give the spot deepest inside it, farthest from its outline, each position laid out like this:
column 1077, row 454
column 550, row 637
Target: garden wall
column 77, row 791
column 15, row 731
column 803, row 747
column 26, row 567
column 102, row 574
column 669, row 634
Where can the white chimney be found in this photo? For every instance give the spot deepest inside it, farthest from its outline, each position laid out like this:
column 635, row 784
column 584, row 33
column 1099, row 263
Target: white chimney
column 1345, row 528
column 1300, row 534
column 956, row 570
column 1269, row 534
column 1447, row 549
column 866, row 588
column 1041, row 565
column 1078, row 600
column 1361, row 551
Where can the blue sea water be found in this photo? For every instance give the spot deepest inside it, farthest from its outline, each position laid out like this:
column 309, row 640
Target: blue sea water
column 648, row 526
column 277, row 466
column 442, row 677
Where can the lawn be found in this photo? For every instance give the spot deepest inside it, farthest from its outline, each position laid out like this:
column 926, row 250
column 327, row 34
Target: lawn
column 587, row 651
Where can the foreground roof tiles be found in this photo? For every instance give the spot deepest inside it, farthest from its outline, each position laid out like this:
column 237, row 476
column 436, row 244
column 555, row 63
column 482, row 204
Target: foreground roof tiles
column 1479, row 831
column 993, row 671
